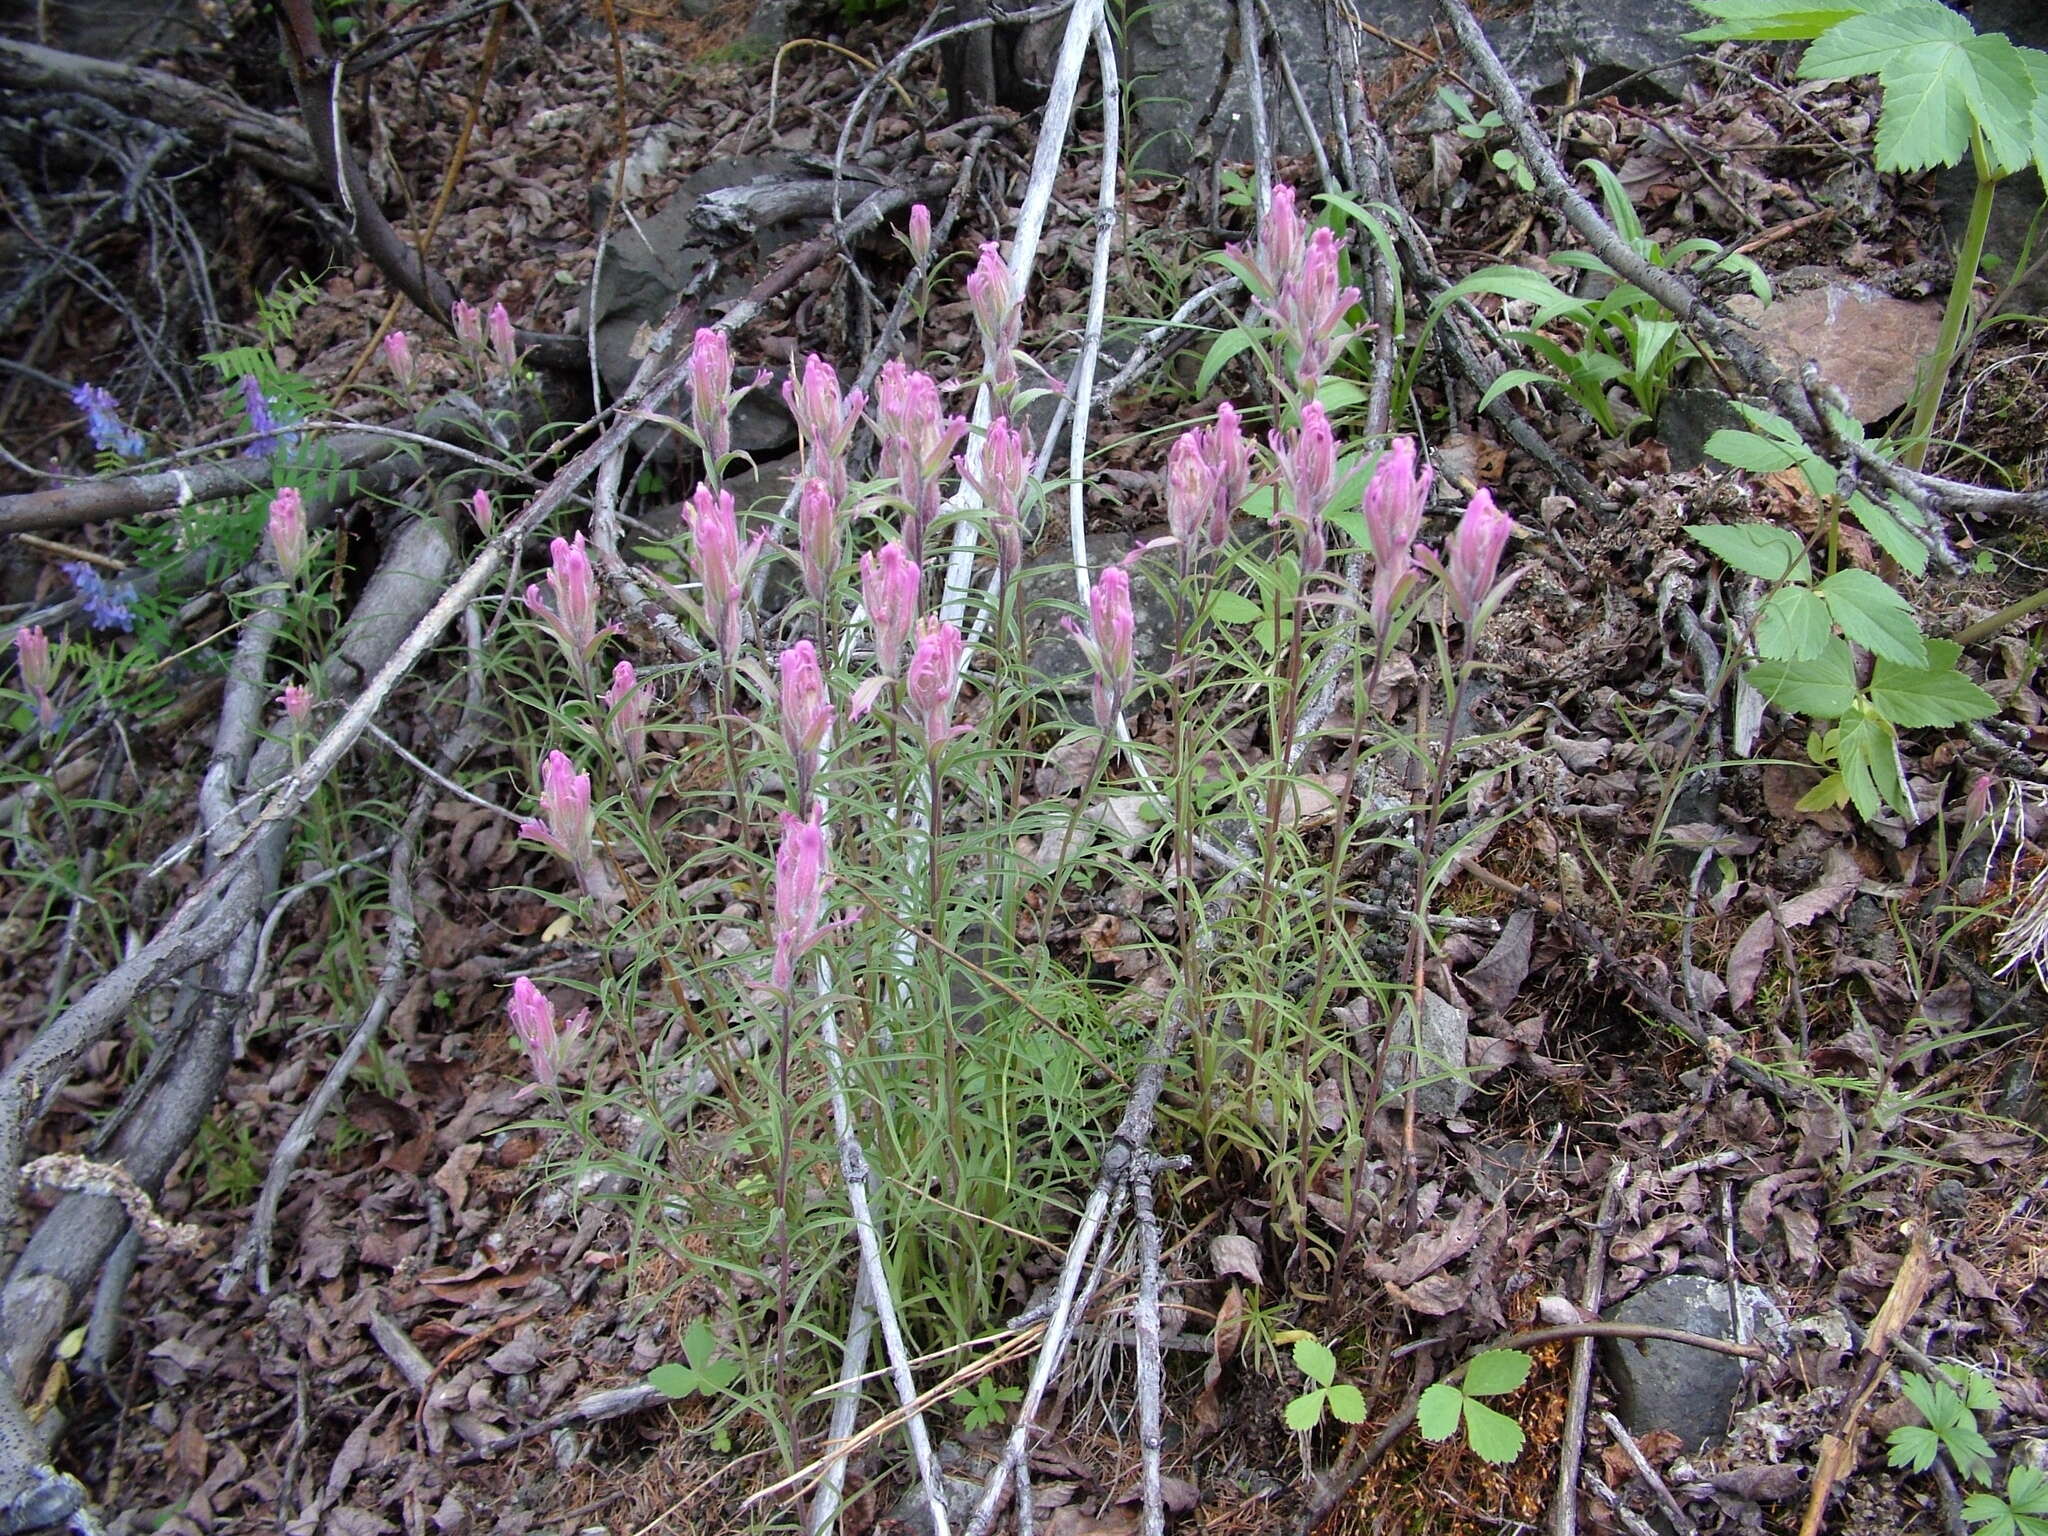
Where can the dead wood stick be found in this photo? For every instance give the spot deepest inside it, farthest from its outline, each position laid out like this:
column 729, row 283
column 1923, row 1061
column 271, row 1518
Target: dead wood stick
column 1564, row 1517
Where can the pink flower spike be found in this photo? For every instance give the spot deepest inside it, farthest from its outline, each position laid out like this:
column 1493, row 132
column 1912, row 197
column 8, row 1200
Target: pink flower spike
column 1229, row 454
column 504, row 342
column 917, row 442
column 1114, row 629
column 817, row 538
column 1475, row 550
column 480, row 509
column 288, row 541
column 1310, row 308
column 626, row 719
column 297, row 700
column 1308, row 473
column 806, row 714
column 723, row 564
column 888, row 589
column 1005, row 473
column 920, row 233
column 398, row 353
column 469, row 328
column 711, row 394
column 573, row 614
column 933, row 681
column 801, row 879
column 824, row 422
column 997, row 315
column 32, row 653
column 1190, row 494
column 1280, row 241
column 565, row 823
column 1394, row 503
column 547, row 1044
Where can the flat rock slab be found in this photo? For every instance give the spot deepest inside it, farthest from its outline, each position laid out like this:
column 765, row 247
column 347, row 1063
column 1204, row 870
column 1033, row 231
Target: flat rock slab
column 1866, row 343
column 1659, row 1384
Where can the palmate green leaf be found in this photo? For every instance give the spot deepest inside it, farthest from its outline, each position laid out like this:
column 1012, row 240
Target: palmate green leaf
column 1974, row 1387
column 1762, row 550
column 1493, row 1436
column 1821, row 689
column 1314, row 1359
column 1874, row 616
column 1866, row 753
column 1794, row 625
column 1913, row 1446
column 1775, row 20
column 1934, row 695
column 1438, row 1410
column 1495, row 1372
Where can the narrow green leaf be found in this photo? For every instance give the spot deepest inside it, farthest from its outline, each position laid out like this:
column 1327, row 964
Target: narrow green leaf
column 1495, row 1372
column 1347, row 1404
column 1437, row 1411
column 1314, row 1359
column 1822, row 689
column 1305, row 1412
column 1866, row 751
column 1221, row 351
column 1794, row 625
column 1763, row 550
column 1934, row 695
column 1514, row 378
column 1874, row 616
column 1517, row 283
column 1493, row 1436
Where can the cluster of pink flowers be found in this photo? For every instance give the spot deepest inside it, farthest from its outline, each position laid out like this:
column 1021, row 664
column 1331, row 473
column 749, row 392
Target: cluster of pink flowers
column 1109, row 644
column 550, row 1046
column 1293, row 275
column 992, row 292
column 499, row 354
column 1208, row 473
column 724, row 565
column 571, row 616
column 917, row 441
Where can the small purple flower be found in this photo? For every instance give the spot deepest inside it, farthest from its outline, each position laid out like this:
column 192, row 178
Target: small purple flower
column 817, row 538
column 801, row 878
column 1308, row 476
column 932, row 682
column 723, row 564
column 920, row 233
column 806, row 714
column 1394, row 503
column 404, row 366
column 262, row 421
column 626, row 720
column 997, row 315
column 290, row 544
column 572, row 617
column 565, row 823
column 888, row 589
column 548, row 1044
column 711, row 395
column 108, row 604
column 103, row 423
column 504, row 342
column 1476, row 546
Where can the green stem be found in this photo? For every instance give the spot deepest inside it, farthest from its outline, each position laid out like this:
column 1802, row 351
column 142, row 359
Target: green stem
column 2012, row 613
column 1928, row 398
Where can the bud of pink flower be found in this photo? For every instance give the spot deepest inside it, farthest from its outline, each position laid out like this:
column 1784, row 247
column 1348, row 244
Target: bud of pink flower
column 398, row 353
column 480, row 509
column 1475, row 551
column 888, row 589
column 1977, row 803
column 824, row 422
column 32, row 653
column 817, row 538
column 469, row 329
column 997, row 315
column 1229, row 455
column 920, row 233
column 1281, row 232
column 917, row 442
column 288, row 542
column 806, row 714
column 548, row 1045
column 297, row 700
column 572, row 617
column 1308, row 474
column 723, row 564
column 1112, row 630
column 1310, row 308
column 565, row 823
column 800, row 882
column 1190, row 495
column 1005, row 472
column 711, row 395
column 933, row 682
column 503, row 342
column 1394, row 503
column 626, row 719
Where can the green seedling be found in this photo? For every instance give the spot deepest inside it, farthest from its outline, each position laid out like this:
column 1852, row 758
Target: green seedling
column 704, row 1372
column 1950, row 1406
column 2023, row 1511
column 1326, row 1394
column 1491, row 1434
column 986, row 1403
column 1478, row 129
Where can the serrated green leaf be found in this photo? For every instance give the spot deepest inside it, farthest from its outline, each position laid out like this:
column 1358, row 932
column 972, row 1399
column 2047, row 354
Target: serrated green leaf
column 1990, row 1514
column 1773, row 20
column 1883, row 524
column 1347, row 1404
column 1314, row 1359
column 1493, row 1436
column 1822, row 689
column 1874, row 616
column 1305, row 1412
column 2002, row 97
column 1866, row 753
column 1934, row 695
column 673, row 1380
column 1751, row 451
column 1830, row 794
column 1438, row 1410
column 1913, row 1446
column 2026, row 1490
column 1495, row 1372
column 2036, row 62
column 1974, row 1387
column 1923, row 57
column 1763, row 550
column 1866, row 43
column 1793, row 626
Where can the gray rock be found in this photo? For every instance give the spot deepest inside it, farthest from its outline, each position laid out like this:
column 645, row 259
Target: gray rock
column 1663, row 1385
column 1440, row 1044
column 1688, row 417
column 1055, row 660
